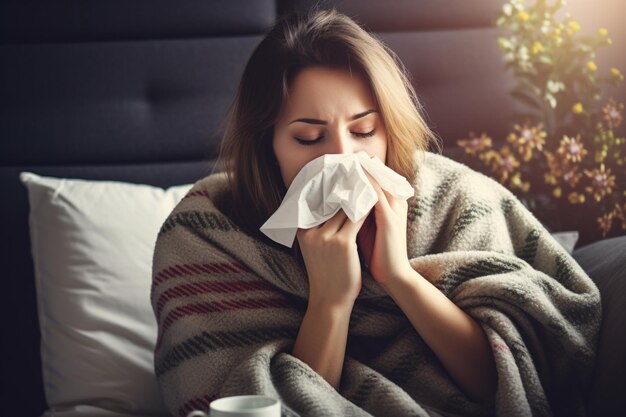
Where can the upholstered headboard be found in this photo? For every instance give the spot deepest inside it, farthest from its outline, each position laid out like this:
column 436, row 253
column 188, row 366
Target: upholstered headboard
column 135, row 90
column 124, row 90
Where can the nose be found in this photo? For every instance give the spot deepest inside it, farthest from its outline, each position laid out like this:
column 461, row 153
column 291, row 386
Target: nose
column 341, row 142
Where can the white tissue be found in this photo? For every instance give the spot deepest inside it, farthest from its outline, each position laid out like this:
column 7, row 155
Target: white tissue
column 327, row 184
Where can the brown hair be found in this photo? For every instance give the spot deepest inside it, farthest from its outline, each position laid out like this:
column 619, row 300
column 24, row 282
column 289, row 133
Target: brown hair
column 324, row 38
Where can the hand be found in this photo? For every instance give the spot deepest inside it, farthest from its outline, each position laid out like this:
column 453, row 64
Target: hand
column 382, row 239
column 332, row 260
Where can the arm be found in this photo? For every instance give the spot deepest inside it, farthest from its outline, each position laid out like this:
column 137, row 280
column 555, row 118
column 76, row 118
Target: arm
column 321, row 341
column 334, row 271
column 457, row 340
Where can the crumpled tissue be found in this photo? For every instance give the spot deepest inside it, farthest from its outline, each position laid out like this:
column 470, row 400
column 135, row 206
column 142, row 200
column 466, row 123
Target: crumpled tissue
column 327, row 184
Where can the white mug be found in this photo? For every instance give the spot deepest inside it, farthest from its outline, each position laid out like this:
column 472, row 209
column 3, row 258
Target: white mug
column 242, row 406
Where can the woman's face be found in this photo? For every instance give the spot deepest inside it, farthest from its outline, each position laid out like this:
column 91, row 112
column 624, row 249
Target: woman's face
column 329, row 111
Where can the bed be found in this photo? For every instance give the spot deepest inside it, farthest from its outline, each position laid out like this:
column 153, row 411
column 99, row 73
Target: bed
column 121, row 102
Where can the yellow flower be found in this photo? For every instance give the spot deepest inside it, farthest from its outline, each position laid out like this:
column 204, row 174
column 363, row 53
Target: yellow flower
column 537, row 47
column 603, row 32
column 591, row 66
column 602, row 182
column 549, row 178
column 613, row 115
column 572, row 176
column 605, row 223
column 616, row 73
column 572, row 149
column 578, row 108
column 473, row 145
column 504, row 163
column 527, row 139
column 557, row 192
column 620, row 213
column 556, row 171
column 516, row 182
column 556, row 35
column 575, row 198
column 573, row 27
column 523, row 16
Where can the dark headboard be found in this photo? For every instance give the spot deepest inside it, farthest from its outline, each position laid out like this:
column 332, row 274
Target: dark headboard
column 123, row 90
column 135, row 90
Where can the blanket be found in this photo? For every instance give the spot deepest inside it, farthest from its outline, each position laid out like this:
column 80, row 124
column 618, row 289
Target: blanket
column 229, row 306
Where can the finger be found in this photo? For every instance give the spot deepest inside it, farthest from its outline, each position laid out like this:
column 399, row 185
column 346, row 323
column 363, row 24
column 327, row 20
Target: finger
column 383, row 201
column 397, row 204
column 352, row 229
column 300, row 233
column 332, row 225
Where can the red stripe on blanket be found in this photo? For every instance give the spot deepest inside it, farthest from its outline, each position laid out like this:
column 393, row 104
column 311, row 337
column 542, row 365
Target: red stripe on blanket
column 199, row 403
column 193, row 288
column 197, row 269
column 220, row 306
column 191, row 270
column 501, row 348
column 197, row 193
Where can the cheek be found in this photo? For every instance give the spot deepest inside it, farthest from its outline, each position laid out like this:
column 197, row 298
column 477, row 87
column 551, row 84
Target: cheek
column 283, row 161
column 290, row 159
column 294, row 163
column 288, row 172
column 379, row 148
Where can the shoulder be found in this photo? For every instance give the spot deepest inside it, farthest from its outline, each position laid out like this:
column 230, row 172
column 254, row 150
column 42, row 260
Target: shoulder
column 209, row 205
column 456, row 207
column 436, row 172
column 203, row 206
column 448, row 190
column 207, row 194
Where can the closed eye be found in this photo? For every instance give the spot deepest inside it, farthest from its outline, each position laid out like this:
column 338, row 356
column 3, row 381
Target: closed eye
column 365, row 134
column 308, row 141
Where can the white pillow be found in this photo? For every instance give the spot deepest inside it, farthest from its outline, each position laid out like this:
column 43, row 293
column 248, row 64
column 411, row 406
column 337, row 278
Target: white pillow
column 567, row 239
column 92, row 245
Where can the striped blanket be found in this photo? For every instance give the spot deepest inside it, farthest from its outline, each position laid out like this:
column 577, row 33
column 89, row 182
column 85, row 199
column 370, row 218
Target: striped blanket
column 229, row 306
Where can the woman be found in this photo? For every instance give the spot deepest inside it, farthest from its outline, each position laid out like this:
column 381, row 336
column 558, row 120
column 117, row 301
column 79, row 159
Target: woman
column 466, row 306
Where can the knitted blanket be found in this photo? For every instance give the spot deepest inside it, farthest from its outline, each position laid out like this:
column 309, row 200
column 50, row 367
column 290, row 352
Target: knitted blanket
column 229, row 307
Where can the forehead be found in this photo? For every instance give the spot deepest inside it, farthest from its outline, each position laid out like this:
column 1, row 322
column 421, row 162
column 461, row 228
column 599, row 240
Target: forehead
column 325, row 91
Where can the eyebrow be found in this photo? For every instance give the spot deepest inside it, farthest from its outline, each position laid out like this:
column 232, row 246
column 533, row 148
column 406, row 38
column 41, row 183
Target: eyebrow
column 323, row 122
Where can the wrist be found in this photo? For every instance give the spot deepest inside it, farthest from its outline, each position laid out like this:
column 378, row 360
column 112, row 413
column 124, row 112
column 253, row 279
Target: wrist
column 323, row 307
column 404, row 280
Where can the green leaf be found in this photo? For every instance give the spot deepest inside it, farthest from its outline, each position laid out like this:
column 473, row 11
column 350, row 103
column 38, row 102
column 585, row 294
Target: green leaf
column 526, row 98
column 545, row 59
column 525, row 84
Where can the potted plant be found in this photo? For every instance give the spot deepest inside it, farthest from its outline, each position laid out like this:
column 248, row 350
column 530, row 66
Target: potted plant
column 565, row 156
